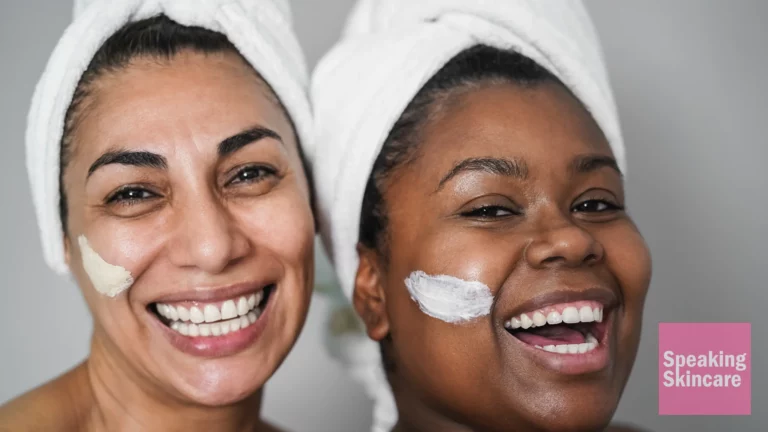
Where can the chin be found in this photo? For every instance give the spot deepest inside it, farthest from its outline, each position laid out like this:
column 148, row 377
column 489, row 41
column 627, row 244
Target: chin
column 580, row 417
column 226, row 391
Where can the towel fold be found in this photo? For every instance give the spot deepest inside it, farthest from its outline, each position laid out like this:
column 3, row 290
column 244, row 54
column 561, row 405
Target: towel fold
column 387, row 52
column 260, row 29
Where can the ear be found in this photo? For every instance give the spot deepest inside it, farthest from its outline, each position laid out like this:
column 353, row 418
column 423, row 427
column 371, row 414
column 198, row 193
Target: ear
column 67, row 247
column 369, row 299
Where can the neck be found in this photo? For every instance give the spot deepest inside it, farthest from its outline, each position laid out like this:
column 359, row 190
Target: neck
column 416, row 416
column 123, row 399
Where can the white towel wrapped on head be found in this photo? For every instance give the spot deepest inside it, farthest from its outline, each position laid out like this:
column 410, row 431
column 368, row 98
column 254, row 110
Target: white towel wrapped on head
column 260, row 29
column 388, row 51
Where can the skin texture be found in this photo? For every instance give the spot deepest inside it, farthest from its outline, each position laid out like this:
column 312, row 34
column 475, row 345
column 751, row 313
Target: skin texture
column 199, row 224
column 536, row 237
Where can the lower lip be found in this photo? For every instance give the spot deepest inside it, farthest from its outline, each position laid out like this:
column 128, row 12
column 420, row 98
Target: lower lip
column 218, row 346
column 574, row 364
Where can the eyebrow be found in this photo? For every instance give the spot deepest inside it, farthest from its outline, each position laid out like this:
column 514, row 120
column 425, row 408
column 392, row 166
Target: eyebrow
column 250, row 136
column 129, row 157
column 586, row 164
column 516, row 168
column 152, row 160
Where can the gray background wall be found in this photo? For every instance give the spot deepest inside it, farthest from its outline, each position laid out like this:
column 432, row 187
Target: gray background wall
column 689, row 80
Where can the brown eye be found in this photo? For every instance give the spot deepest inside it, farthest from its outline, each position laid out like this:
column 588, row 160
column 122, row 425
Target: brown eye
column 130, row 195
column 251, row 174
column 595, row 206
column 489, row 212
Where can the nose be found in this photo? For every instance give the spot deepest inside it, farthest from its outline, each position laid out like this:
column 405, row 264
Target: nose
column 563, row 244
column 207, row 237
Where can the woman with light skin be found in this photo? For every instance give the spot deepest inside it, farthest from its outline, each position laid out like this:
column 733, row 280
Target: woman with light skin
column 495, row 264
column 186, row 222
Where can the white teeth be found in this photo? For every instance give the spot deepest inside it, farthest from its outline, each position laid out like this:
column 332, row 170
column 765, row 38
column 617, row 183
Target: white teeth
column 242, row 306
column 525, row 321
column 234, row 324
column 581, row 348
column 570, row 315
column 591, row 339
column 228, row 310
column 196, row 315
column 211, row 313
column 205, row 329
column 212, row 321
column 183, row 313
column 554, row 318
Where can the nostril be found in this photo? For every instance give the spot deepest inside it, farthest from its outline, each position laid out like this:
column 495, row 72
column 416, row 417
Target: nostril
column 552, row 259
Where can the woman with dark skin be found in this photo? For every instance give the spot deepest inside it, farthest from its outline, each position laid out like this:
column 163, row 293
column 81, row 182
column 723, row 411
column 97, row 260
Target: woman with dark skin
column 180, row 164
column 495, row 172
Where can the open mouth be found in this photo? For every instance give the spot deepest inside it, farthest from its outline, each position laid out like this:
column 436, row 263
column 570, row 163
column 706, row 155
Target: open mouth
column 211, row 319
column 572, row 328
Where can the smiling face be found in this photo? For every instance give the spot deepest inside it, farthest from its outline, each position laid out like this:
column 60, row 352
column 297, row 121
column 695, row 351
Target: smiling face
column 515, row 187
column 186, row 173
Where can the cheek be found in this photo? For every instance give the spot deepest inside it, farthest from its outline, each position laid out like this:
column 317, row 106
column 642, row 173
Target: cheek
column 426, row 348
column 629, row 260
column 468, row 254
column 281, row 224
column 130, row 245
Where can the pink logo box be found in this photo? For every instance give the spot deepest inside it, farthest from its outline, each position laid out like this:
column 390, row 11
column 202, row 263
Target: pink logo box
column 705, row 369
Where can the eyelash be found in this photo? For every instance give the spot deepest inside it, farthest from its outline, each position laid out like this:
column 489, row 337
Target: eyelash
column 264, row 172
column 120, row 196
column 609, row 206
column 483, row 212
column 127, row 194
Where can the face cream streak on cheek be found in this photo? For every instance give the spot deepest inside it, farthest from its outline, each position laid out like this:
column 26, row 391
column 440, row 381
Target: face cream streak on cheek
column 448, row 298
column 108, row 279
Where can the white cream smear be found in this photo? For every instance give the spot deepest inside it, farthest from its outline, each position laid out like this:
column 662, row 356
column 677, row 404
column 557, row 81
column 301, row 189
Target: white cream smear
column 449, row 298
column 108, row 279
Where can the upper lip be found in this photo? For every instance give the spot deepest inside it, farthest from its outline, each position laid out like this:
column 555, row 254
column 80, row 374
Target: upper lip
column 601, row 295
column 210, row 295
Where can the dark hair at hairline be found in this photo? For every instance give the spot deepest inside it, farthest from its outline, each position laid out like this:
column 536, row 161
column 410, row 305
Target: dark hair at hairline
column 156, row 37
column 472, row 68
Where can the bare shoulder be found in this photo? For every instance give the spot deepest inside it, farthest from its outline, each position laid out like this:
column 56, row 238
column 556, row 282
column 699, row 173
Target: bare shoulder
column 617, row 427
column 56, row 405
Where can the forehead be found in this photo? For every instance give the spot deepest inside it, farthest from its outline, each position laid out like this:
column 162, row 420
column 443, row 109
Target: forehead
column 543, row 124
column 190, row 98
